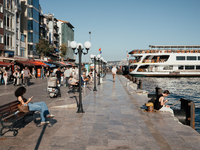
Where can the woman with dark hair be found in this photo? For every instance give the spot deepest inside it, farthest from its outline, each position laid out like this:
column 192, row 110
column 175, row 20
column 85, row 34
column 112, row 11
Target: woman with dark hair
column 37, row 106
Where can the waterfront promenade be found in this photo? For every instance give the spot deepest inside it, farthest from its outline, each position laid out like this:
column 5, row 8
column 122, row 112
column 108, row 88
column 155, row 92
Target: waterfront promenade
column 113, row 120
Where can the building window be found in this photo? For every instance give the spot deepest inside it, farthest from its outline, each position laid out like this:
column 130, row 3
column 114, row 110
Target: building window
column 1, row 8
column 1, row 38
column 180, row 57
column 1, row 23
column 191, row 58
column 22, row 52
column 17, row 36
column 22, row 38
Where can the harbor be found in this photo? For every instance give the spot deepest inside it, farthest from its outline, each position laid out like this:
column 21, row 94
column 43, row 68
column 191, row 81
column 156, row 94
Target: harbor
column 114, row 119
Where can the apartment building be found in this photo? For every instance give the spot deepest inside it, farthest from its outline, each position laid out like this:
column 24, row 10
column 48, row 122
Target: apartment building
column 1, row 29
column 66, row 35
column 52, row 34
column 30, row 26
column 9, row 28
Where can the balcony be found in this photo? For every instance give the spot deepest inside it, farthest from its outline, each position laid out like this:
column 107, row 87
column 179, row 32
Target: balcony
column 9, row 10
column 17, row 25
column 9, row 29
column 9, row 48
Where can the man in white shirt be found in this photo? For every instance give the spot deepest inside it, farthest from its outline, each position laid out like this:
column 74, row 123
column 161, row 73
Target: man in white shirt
column 67, row 74
column 114, row 71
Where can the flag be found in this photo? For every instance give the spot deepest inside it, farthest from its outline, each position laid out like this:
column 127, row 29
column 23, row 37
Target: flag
column 100, row 49
column 100, row 52
column 127, row 55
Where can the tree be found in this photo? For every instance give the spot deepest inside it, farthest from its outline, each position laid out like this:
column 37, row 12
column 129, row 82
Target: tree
column 43, row 47
column 63, row 50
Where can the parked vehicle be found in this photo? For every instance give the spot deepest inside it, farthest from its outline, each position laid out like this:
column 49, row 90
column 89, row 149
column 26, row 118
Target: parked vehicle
column 53, row 87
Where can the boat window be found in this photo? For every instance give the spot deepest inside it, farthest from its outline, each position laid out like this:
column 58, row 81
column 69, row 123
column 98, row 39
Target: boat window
column 180, row 57
column 144, row 67
column 133, row 67
column 197, row 67
column 198, row 57
column 189, row 67
column 180, row 67
column 191, row 58
column 168, row 68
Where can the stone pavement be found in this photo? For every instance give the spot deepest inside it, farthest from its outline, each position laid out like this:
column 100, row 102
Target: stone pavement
column 113, row 120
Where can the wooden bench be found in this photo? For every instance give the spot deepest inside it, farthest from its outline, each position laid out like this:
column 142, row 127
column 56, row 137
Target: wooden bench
column 9, row 115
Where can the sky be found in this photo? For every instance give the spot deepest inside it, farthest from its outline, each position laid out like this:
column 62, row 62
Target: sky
column 118, row 26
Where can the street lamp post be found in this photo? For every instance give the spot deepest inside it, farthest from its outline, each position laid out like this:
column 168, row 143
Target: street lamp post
column 79, row 47
column 98, row 57
column 93, row 57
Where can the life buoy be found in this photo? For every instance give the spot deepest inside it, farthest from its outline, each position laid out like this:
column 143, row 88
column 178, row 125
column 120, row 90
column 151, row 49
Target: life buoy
column 130, row 61
column 178, row 51
column 152, row 51
column 135, row 52
column 147, row 51
column 160, row 51
column 191, row 51
column 169, row 51
column 182, row 51
column 139, row 52
column 165, row 51
column 156, row 51
column 187, row 51
column 196, row 51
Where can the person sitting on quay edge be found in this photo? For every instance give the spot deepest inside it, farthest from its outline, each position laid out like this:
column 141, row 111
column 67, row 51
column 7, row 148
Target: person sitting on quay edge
column 37, row 106
column 160, row 103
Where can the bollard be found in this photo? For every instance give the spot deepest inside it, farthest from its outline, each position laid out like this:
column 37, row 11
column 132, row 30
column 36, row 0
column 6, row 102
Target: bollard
column 140, row 84
column 186, row 115
column 150, row 107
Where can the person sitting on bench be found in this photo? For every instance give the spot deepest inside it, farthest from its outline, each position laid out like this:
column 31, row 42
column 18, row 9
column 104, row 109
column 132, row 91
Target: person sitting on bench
column 37, row 106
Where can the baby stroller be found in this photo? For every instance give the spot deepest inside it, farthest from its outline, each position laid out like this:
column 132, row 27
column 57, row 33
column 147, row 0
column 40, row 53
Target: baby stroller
column 53, row 87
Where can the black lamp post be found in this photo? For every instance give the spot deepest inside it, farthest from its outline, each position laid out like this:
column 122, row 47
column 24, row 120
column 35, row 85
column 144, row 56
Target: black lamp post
column 99, row 59
column 93, row 57
column 79, row 47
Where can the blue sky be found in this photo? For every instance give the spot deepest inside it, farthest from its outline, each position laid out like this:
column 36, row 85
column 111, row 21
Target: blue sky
column 118, row 26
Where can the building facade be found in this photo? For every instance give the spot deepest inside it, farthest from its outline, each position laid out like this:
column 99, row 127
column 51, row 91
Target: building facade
column 30, row 26
column 66, row 35
column 1, row 29
column 52, row 34
column 9, row 28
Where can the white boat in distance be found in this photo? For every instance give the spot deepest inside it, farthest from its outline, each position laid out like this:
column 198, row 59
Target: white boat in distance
column 166, row 61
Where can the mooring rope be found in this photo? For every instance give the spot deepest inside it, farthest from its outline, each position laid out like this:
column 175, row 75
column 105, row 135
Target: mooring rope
column 175, row 103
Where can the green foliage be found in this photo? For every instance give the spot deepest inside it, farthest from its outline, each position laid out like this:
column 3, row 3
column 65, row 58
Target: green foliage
column 63, row 49
column 43, row 47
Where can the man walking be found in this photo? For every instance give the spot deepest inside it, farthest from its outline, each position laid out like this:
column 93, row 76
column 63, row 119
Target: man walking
column 42, row 73
column 26, row 76
column 67, row 74
column 58, row 75
column 114, row 71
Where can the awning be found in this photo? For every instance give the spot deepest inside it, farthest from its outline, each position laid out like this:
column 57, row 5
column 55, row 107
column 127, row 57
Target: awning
column 39, row 63
column 24, row 63
column 3, row 64
column 57, row 64
column 50, row 65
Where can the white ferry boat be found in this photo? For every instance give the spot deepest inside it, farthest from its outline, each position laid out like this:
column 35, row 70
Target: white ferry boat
column 166, row 61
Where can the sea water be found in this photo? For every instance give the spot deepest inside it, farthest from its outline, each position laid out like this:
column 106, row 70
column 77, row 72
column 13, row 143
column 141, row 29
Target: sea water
column 187, row 88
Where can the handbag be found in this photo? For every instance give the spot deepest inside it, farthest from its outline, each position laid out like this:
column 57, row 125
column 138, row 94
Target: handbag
column 23, row 108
